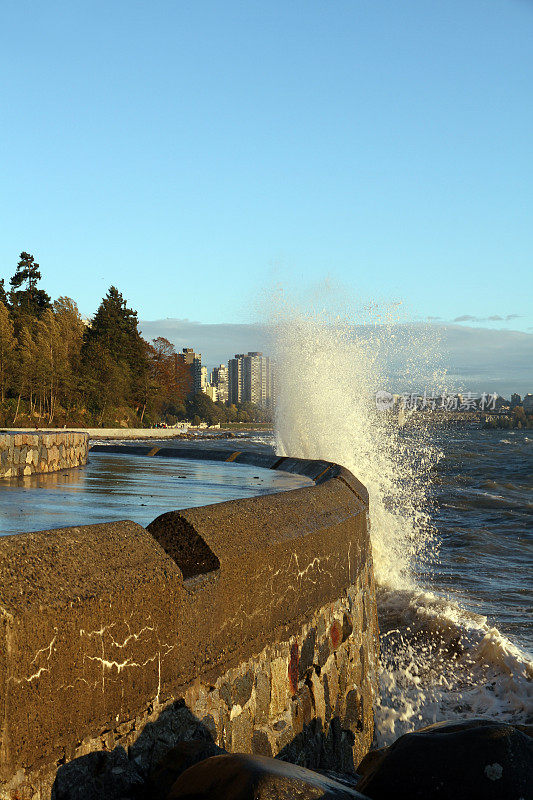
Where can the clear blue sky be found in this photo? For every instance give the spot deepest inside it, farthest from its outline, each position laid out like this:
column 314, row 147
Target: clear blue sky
column 193, row 152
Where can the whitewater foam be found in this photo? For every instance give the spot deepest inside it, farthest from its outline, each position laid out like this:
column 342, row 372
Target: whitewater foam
column 442, row 662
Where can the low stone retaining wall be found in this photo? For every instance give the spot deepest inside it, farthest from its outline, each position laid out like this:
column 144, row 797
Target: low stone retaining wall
column 26, row 453
column 114, row 433
column 250, row 625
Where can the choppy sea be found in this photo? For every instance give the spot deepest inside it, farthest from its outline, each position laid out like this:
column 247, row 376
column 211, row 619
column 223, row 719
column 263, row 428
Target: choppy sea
column 459, row 642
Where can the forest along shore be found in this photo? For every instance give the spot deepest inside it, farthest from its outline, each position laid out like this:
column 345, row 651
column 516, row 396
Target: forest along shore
column 60, row 369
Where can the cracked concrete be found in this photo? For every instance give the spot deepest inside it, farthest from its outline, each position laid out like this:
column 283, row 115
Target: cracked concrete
column 100, row 633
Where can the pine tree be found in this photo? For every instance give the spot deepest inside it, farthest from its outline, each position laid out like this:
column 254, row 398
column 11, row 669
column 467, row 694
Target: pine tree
column 7, row 351
column 29, row 299
column 106, row 383
column 114, row 331
column 115, row 327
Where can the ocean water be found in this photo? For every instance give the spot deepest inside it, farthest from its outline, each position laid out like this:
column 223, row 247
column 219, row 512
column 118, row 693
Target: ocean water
column 483, row 489
column 459, row 642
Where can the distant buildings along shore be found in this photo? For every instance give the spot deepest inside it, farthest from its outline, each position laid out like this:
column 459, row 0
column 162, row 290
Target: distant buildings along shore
column 247, row 378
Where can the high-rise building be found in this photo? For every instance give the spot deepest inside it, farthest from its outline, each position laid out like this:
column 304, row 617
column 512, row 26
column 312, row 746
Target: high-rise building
column 212, row 392
column 194, row 362
column 235, row 385
column 219, row 379
column 203, row 378
column 250, row 379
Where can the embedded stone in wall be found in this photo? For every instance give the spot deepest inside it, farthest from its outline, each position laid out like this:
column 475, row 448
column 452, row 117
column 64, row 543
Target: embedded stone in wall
column 283, row 703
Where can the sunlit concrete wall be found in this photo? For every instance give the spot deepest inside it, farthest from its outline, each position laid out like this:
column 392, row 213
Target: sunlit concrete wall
column 249, row 624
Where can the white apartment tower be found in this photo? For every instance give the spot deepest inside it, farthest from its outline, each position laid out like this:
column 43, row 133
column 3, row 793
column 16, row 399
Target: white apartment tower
column 203, row 379
column 250, row 379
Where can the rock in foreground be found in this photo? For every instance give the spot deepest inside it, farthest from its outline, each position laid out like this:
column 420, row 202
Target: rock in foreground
column 244, row 777
column 473, row 760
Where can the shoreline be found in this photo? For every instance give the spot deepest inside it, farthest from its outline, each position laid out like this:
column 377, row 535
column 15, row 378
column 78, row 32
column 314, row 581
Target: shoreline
column 144, row 433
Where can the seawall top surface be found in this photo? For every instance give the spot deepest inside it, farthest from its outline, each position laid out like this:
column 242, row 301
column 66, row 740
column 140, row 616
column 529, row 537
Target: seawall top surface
column 66, row 565
column 41, row 433
column 317, row 470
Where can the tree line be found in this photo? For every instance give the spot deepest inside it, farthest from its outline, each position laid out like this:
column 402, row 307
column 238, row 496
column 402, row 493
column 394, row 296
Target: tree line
column 58, row 369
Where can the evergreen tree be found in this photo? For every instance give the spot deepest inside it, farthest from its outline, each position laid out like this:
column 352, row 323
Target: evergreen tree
column 25, row 297
column 106, row 383
column 115, row 327
column 114, row 331
column 3, row 293
column 7, row 351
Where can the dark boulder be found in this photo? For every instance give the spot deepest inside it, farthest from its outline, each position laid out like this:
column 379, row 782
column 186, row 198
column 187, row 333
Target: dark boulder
column 243, row 777
column 96, row 776
column 473, row 760
column 173, row 764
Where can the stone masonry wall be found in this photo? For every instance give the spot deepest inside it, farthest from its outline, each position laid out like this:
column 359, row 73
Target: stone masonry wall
column 307, row 700
column 30, row 453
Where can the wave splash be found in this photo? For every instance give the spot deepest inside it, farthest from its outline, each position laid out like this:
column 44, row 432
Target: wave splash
column 438, row 661
column 441, row 662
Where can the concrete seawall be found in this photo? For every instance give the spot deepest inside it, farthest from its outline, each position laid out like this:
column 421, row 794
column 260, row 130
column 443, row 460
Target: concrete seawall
column 249, row 625
column 27, row 453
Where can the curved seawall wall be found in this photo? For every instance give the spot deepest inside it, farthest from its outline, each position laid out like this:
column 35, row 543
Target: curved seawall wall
column 249, row 625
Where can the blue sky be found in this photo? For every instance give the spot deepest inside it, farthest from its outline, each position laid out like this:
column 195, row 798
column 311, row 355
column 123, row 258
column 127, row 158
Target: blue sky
column 194, row 152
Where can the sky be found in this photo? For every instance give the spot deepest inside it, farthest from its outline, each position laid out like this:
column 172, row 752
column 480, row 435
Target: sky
column 193, row 153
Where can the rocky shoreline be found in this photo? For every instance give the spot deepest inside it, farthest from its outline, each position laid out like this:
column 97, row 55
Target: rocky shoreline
column 472, row 760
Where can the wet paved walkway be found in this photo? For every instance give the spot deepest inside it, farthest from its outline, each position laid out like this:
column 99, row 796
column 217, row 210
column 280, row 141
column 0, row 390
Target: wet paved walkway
column 112, row 487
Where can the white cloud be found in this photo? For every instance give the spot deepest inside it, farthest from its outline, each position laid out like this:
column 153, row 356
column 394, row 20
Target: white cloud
column 492, row 318
column 217, row 343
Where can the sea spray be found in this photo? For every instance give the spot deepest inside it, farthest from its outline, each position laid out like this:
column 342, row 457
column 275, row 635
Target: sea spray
column 328, row 373
column 438, row 660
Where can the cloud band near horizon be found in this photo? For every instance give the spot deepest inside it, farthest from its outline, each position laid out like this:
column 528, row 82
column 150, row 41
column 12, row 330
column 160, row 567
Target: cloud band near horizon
column 475, row 358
